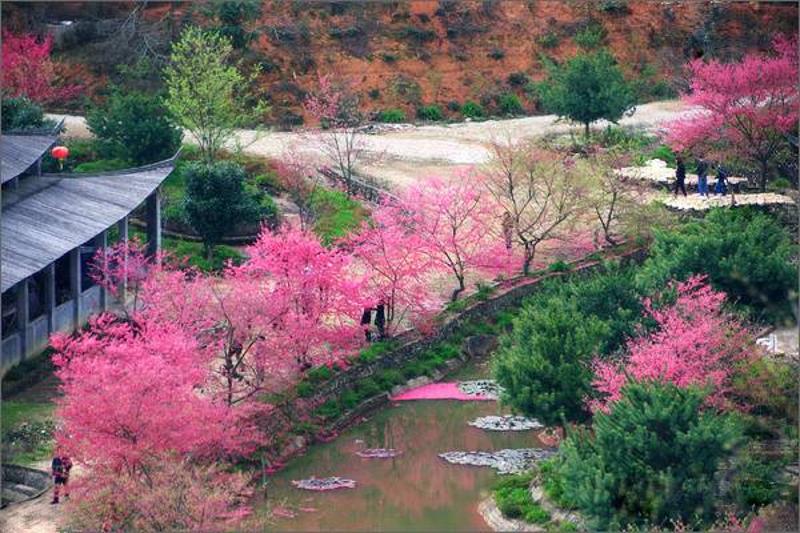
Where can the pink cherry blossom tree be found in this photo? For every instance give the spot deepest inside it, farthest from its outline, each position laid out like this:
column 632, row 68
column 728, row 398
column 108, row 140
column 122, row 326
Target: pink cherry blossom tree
column 457, row 225
column 538, row 195
column 747, row 107
column 29, row 71
column 397, row 273
column 695, row 343
column 338, row 135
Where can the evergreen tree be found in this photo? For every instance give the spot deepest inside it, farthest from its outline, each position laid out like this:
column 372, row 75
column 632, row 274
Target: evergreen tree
column 216, row 201
column 652, row 460
column 588, row 87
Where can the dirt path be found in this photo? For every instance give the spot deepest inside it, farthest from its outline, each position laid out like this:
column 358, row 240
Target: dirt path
column 418, row 151
column 32, row 516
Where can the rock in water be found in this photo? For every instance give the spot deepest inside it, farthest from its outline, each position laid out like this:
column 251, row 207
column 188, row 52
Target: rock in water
column 324, row 483
column 510, row 461
column 486, row 388
column 506, row 423
column 378, row 453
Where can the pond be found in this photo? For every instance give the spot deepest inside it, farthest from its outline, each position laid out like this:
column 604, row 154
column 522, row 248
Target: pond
column 415, row 491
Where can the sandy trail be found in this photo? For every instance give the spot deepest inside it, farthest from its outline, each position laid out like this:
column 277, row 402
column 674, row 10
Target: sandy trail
column 409, row 154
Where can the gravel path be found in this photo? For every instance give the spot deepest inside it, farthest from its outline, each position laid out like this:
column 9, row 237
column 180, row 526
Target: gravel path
column 413, row 152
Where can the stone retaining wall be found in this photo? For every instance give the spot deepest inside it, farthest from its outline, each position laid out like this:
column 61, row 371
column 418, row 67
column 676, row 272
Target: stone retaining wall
column 508, row 294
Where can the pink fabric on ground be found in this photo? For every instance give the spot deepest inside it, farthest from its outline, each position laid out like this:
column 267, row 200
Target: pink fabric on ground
column 438, row 391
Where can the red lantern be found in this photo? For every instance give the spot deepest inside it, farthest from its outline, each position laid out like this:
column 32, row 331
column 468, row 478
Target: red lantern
column 60, row 153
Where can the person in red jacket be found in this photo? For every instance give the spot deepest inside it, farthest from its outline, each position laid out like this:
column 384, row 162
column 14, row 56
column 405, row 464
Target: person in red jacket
column 60, row 467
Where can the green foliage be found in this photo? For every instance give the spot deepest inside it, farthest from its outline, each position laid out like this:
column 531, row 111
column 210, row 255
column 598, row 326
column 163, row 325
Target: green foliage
column 591, row 37
column 319, row 374
column 769, row 388
column 549, row 40
column 101, row 165
column 133, row 126
column 305, row 389
column 588, row 87
column 756, row 479
column 331, row 410
column 21, row 113
column 779, row 184
column 497, row 53
column 509, row 104
column 472, row 110
column 375, row 350
column 335, row 214
column 206, row 91
column 392, row 116
column 543, row 363
column 453, row 106
column 614, row 6
column 197, row 256
column 744, row 252
column 388, row 378
column 518, row 79
column 513, row 498
column 233, row 15
column 558, row 266
column 216, row 201
column 551, row 481
column 652, row 460
column 430, row 112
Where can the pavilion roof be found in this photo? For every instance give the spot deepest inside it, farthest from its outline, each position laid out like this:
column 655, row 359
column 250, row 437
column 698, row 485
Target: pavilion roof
column 46, row 217
column 19, row 152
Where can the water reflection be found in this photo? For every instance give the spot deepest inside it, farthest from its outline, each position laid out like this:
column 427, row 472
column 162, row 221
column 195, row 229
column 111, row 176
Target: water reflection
column 415, row 491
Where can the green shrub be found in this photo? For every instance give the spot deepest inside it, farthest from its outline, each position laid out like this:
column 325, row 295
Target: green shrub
column 591, row 37
column 388, row 57
column 472, row 110
column 335, row 214
column 453, row 106
column 319, row 374
column 330, row 410
column 614, row 6
column 305, row 389
column 549, row 40
column 509, row 104
column 134, row 126
column 387, row 379
column 20, row 113
column 518, row 79
column 651, row 461
column 744, row 252
column 558, row 266
column 374, row 94
column 348, row 400
column 514, row 500
column 430, row 112
column 367, row 388
column 217, row 201
column 101, row 165
column 756, row 480
column 497, row 53
column 779, row 183
column 196, row 257
column 392, row 116
column 375, row 350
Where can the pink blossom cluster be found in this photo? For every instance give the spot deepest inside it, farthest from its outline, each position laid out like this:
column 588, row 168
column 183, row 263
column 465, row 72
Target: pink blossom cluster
column 696, row 342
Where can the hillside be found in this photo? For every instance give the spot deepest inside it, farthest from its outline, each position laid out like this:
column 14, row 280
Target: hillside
column 406, row 54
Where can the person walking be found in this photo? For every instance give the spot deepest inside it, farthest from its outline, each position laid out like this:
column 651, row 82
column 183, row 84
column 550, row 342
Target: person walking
column 702, row 177
column 680, row 176
column 721, row 187
column 60, row 467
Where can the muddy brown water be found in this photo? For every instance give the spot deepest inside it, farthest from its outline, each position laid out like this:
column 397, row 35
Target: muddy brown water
column 416, row 491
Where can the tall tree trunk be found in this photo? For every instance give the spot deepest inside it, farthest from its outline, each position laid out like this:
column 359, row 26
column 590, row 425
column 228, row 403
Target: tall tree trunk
column 586, row 130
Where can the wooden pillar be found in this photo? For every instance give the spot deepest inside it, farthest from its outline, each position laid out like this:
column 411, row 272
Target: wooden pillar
column 23, row 316
column 154, row 223
column 50, row 296
column 75, row 284
column 122, row 227
column 101, row 243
